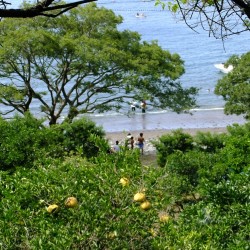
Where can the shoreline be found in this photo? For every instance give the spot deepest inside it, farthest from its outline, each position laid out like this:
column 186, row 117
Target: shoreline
column 156, row 133
column 202, row 119
column 153, row 135
column 154, row 125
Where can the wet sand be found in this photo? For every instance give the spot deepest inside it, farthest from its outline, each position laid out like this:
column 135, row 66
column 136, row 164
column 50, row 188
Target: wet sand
column 155, row 125
column 205, row 119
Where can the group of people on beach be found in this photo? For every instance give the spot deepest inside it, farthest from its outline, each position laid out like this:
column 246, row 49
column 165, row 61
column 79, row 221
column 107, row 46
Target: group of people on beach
column 130, row 142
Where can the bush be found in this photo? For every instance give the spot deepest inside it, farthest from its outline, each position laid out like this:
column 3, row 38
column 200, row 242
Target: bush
column 18, row 140
column 209, row 142
column 188, row 164
column 218, row 170
column 106, row 216
column 25, row 141
column 233, row 158
column 83, row 135
column 170, row 143
column 219, row 221
column 217, row 216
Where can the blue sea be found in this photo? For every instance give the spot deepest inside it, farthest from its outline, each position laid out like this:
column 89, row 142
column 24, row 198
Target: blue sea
column 199, row 51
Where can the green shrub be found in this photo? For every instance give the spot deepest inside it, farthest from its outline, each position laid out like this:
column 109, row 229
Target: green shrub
column 25, row 141
column 106, row 217
column 83, row 135
column 18, row 140
column 189, row 164
column 233, row 158
column 237, row 130
column 207, row 226
column 209, row 142
column 170, row 143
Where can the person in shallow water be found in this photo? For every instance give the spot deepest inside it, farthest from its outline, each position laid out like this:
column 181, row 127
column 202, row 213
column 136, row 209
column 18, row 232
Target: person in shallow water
column 133, row 106
column 143, row 106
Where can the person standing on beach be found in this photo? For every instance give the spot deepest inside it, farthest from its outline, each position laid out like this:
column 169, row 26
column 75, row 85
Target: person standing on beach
column 116, row 147
column 141, row 142
column 132, row 141
column 127, row 140
column 143, row 106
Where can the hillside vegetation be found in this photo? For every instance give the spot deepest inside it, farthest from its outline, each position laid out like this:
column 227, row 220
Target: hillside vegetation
column 61, row 189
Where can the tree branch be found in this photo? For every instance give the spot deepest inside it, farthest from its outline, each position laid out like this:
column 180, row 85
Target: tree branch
column 219, row 18
column 244, row 6
column 41, row 9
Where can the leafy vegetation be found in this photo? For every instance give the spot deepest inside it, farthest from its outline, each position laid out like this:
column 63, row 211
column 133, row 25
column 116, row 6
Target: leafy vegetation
column 85, row 65
column 235, row 86
column 197, row 199
column 26, row 141
column 168, row 144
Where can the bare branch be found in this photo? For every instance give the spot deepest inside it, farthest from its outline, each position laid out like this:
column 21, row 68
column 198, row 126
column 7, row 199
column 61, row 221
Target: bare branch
column 219, row 18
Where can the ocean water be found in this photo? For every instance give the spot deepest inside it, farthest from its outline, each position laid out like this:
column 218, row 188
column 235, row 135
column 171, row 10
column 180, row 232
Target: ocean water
column 199, row 51
column 167, row 120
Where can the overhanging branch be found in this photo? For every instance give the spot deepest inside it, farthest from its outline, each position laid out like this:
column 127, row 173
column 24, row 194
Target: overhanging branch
column 41, row 9
column 219, row 18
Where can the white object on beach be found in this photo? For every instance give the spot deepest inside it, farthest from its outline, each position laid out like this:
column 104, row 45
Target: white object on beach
column 223, row 69
column 129, row 136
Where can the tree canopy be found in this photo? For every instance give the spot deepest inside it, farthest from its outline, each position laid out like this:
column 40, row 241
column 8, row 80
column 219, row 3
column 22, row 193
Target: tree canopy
column 81, row 63
column 235, row 86
column 219, row 18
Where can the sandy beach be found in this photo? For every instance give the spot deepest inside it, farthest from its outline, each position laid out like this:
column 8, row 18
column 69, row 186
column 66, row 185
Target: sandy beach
column 154, row 125
column 152, row 135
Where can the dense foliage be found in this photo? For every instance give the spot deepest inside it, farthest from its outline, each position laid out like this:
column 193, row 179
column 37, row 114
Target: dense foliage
column 26, row 141
column 82, row 63
column 215, row 172
column 199, row 197
column 234, row 87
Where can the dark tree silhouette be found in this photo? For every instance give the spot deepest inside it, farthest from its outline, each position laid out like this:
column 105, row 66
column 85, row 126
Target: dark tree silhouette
column 221, row 18
column 49, row 8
